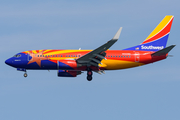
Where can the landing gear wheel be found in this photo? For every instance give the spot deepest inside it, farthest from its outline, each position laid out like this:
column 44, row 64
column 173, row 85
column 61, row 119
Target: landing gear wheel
column 89, row 77
column 25, row 74
column 90, row 73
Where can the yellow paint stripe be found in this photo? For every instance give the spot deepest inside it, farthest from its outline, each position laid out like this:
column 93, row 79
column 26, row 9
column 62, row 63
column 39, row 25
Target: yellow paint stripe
column 52, row 53
column 34, row 51
column 46, row 51
column 57, row 52
column 119, row 64
column 40, row 50
column 160, row 26
column 26, row 51
column 65, row 51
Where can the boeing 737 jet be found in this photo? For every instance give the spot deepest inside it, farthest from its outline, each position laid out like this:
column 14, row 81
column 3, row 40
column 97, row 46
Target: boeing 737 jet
column 70, row 63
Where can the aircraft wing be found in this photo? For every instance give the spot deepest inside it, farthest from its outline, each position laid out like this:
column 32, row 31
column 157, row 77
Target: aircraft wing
column 95, row 57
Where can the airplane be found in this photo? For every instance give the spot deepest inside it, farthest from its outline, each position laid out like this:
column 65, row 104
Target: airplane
column 70, row 63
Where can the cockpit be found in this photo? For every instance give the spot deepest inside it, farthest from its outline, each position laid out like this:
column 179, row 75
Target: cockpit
column 17, row 55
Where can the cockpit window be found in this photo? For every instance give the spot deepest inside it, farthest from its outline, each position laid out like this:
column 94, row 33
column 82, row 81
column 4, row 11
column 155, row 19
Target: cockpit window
column 18, row 55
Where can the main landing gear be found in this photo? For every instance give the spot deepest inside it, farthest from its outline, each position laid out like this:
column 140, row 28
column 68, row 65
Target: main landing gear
column 89, row 75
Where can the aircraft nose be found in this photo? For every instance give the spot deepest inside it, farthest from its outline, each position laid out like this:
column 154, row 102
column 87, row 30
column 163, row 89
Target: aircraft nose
column 8, row 62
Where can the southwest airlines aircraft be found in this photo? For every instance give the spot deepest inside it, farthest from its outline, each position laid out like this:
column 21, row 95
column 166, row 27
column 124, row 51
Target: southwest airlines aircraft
column 70, row 63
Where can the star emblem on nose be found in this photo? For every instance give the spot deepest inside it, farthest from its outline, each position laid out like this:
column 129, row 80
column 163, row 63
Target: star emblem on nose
column 37, row 57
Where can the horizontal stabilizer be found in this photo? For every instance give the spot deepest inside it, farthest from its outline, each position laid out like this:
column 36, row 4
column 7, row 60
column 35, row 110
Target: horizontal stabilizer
column 163, row 51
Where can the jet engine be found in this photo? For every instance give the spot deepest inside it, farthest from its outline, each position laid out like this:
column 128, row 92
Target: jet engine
column 67, row 65
column 67, row 73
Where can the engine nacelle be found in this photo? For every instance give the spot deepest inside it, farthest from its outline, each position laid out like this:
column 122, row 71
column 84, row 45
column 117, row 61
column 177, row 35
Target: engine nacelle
column 67, row 65
column 66, row 73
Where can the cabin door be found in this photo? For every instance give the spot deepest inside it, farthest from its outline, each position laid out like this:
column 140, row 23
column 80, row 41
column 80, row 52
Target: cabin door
column 136, row 56
column 29, row 57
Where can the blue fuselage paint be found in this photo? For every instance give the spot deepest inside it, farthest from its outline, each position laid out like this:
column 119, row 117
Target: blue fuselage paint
column 23, row 60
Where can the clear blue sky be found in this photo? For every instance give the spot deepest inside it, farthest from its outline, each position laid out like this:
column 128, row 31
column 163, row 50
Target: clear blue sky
column 150, row 92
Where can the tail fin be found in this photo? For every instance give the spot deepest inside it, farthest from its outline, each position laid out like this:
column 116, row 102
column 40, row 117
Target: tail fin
column 158, row 38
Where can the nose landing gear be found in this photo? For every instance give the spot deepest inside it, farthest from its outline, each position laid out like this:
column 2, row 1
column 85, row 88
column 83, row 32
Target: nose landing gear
column 24, row 70
column 25, row 74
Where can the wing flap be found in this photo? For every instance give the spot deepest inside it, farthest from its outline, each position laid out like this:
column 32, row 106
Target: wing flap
column 95, row 60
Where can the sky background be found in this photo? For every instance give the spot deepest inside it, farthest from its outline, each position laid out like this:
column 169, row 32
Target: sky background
column 149, row 92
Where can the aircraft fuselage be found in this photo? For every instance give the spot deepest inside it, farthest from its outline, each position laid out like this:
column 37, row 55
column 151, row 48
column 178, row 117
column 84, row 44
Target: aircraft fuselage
column 66, row 59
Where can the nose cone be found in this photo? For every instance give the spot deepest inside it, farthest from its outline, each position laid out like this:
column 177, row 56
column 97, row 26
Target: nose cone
column 9, row 62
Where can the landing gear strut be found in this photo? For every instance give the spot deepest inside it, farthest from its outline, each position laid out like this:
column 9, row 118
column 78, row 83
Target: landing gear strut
column 25, row 74
column 89, row 75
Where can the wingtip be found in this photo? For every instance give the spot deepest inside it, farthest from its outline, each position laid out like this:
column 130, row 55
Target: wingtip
column 116, row 36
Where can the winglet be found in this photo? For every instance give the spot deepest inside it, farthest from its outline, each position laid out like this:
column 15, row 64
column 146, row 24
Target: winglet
column 163, row 51
column 116, row 36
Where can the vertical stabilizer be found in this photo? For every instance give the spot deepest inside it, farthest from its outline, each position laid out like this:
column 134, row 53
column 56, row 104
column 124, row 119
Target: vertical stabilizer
column 158, row 38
